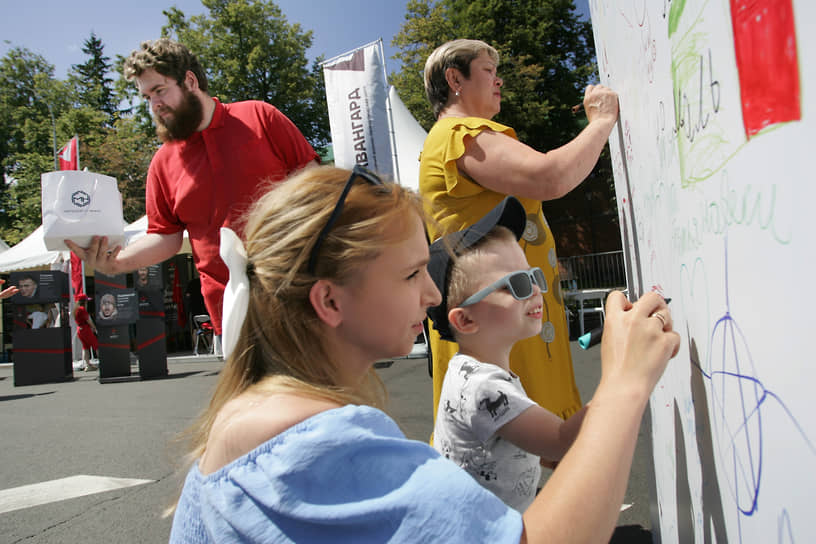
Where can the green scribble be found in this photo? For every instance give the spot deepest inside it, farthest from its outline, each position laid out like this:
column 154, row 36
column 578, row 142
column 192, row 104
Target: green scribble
column 752, row 206
column 705, row 143
column 675, row 13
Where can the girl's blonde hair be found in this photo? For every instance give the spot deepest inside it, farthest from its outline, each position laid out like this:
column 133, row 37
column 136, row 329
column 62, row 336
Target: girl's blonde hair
column 280, row 346
column 453, row 54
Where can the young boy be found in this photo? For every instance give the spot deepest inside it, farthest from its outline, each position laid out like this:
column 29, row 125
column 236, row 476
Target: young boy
column 491, row 299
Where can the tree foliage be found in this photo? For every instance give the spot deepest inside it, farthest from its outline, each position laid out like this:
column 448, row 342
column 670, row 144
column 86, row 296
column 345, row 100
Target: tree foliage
column 31, row 101
column 39, row 114
column 250, row 51
column 92, row 82
column 547, row 57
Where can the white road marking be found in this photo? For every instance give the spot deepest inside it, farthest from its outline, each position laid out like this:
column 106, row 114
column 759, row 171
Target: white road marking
column 71, row 487
column 625, row 506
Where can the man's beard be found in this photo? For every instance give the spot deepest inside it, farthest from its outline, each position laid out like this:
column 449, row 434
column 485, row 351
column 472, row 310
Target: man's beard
column 183, row 121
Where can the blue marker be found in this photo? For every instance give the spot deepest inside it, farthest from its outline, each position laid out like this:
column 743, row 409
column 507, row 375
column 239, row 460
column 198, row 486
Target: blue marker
column 591, row 338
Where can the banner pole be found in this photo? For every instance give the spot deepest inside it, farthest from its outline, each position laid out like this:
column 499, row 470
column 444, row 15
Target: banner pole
column 391, row 133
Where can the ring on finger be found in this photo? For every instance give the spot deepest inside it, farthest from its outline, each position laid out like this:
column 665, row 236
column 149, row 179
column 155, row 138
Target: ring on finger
column 109, row 253
column 660, row 317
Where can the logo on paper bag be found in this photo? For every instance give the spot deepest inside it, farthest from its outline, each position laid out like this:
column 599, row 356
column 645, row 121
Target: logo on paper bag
column 80, row 199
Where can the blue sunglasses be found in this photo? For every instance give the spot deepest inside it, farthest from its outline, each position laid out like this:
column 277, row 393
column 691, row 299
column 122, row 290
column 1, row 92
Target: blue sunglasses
column 519, row 283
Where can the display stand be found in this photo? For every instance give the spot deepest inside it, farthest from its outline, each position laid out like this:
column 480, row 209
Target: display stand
column 116, row 308
column 151, row 339
column 42, row 334
column 114, row 354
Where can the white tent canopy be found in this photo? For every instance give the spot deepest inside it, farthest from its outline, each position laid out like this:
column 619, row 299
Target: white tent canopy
column 409, row 138
column 31, row 254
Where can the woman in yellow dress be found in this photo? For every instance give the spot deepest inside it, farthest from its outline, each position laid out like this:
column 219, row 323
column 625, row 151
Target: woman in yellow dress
column 469, row 163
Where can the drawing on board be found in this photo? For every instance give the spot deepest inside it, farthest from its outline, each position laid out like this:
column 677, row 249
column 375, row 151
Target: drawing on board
column 736, row 406
column 762, row 65
column 767, row 62
column 709, row 159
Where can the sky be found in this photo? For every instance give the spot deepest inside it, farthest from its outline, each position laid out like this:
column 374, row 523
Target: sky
column 57, row 29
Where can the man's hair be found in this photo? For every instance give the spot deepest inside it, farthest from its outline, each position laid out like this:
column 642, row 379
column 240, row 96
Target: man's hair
column 454, row 54
column 462, row 280
column 169, row 58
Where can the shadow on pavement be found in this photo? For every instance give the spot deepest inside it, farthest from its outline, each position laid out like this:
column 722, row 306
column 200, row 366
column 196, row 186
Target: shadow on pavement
column 18, row 397
column 177, row 375
column 631, row 534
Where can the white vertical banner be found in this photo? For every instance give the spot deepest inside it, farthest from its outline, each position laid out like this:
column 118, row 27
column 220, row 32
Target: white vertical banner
column 357, row 95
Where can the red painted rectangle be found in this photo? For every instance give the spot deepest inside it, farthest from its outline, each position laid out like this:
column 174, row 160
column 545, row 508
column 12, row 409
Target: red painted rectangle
column 767, row 62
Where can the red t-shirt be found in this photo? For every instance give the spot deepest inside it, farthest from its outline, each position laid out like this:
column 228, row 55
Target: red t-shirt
column 210, row 179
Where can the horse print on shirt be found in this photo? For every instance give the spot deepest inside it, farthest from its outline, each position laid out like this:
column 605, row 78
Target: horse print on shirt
column 496, row 408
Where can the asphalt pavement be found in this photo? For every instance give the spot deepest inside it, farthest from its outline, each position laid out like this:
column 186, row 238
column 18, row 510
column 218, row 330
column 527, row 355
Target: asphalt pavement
column 89, row 462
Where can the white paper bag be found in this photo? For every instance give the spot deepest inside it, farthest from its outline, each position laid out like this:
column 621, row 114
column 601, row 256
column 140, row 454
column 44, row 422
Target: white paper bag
column 78, row 205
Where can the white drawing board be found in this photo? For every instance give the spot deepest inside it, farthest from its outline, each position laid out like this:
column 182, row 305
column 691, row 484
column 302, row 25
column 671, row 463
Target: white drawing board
column 713, row 160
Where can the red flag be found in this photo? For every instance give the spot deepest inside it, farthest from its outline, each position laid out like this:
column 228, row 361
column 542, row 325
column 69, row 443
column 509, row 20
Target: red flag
column 76, row 275
column 69, row 155
column 178, row 298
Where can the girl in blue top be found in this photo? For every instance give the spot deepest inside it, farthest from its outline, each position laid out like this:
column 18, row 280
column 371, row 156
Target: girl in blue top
column 294, row 446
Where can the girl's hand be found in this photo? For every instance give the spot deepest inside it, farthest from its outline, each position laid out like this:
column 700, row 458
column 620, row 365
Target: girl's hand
column 638, row 339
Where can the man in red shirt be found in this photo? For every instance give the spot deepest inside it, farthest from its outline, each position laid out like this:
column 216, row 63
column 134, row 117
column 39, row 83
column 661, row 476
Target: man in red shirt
column 216, row 160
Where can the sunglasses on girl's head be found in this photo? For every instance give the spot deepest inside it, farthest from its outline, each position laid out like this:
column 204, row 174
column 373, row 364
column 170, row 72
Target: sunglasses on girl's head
column 519, row 283
column 357, row 172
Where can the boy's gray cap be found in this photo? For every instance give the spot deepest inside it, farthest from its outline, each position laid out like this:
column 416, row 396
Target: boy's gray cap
column 509, row 213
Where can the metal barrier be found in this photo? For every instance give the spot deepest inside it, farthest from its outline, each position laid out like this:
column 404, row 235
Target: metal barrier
column 593, row 271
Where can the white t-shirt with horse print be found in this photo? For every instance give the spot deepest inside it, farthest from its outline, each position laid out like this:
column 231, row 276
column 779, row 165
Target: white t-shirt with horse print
column 476, row 400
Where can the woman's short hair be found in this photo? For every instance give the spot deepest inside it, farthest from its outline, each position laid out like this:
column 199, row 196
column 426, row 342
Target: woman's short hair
column 453, row 54
column 168, row 58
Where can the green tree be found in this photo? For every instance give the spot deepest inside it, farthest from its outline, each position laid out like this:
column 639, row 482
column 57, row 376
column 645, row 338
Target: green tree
column 39, row 113
column 28, row 92
column 547, row 59
column 114, row 141
column 25, row 196
column 427, row 26
column 31, row 103
column 92, row 81
column 250, row 51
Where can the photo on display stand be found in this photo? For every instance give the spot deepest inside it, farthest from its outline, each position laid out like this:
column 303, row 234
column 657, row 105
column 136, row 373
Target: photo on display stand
column 38, row 316
column 116, row 307
column 38, row 287
column 148, row 278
